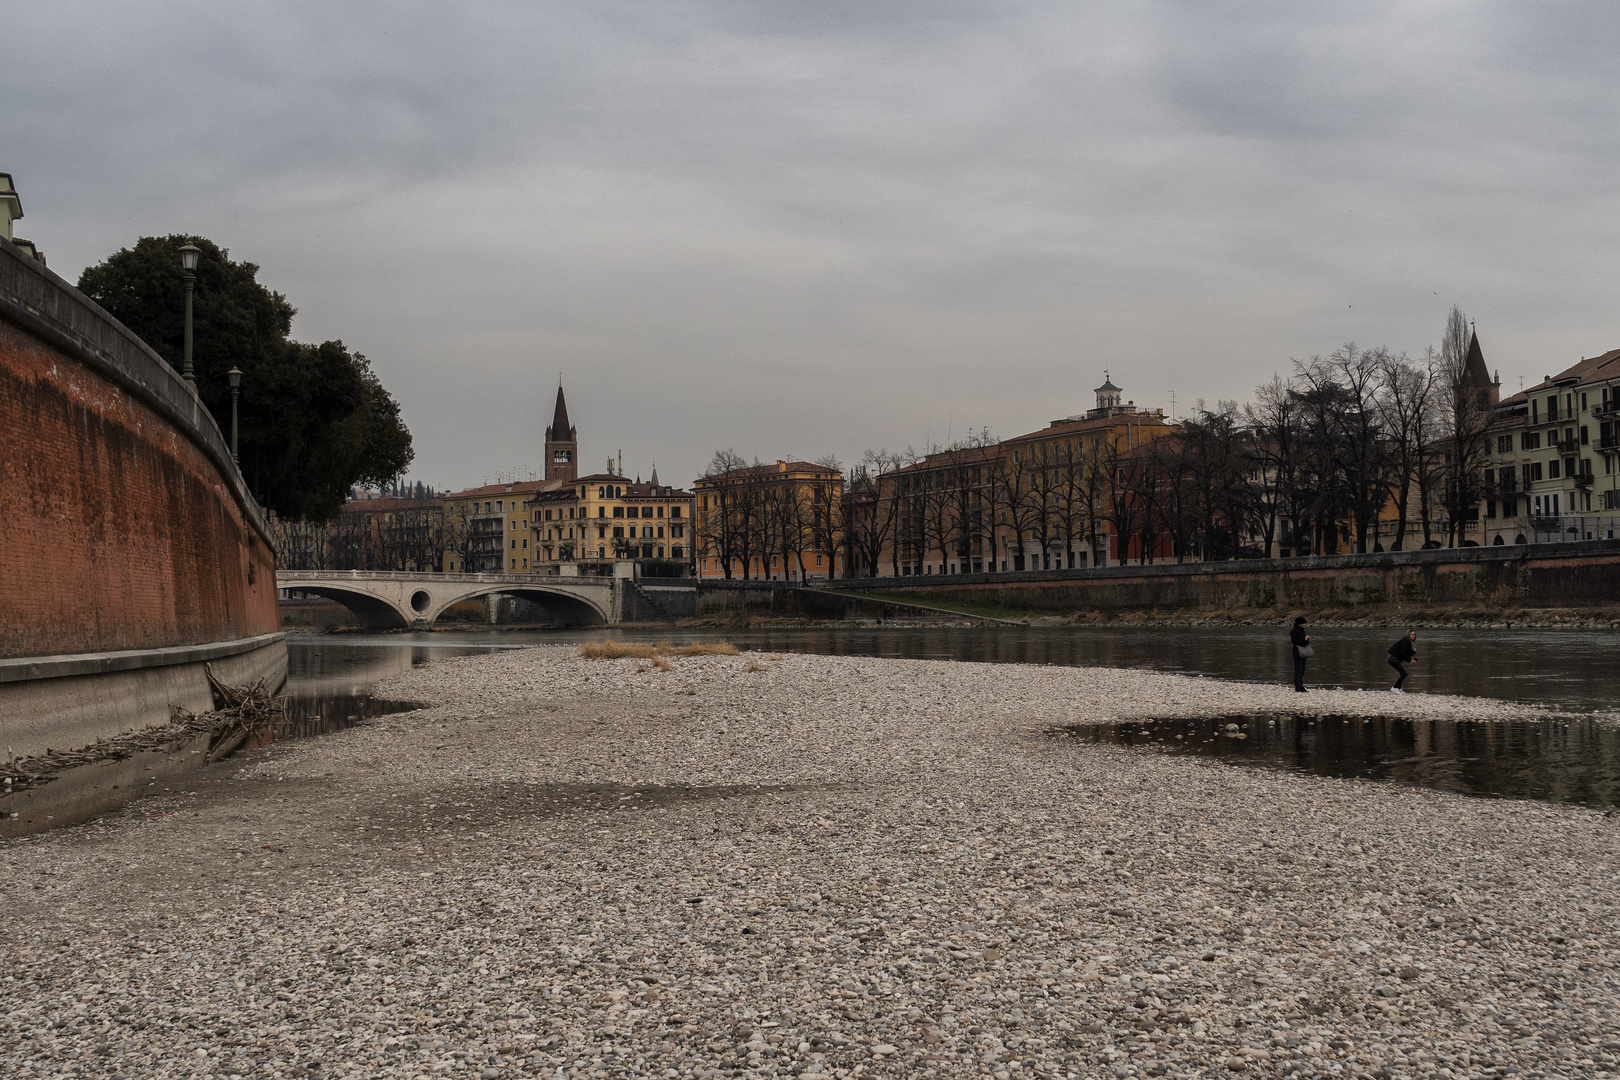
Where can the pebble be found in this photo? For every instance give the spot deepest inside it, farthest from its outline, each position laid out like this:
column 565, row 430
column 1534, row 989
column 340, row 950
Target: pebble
column 549, row 870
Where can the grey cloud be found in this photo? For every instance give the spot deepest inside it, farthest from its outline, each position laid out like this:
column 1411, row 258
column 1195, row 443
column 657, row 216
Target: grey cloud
column 811, row 227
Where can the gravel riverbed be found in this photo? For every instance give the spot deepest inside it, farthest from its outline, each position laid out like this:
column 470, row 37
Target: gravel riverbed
column 828, row 867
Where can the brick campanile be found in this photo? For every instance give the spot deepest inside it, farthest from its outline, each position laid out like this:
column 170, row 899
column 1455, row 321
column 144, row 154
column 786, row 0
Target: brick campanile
column 562, row 445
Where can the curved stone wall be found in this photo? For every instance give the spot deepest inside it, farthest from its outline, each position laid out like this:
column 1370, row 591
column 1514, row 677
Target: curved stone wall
column 124, row 527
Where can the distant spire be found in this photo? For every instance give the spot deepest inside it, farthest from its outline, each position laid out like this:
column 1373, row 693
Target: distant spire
column 654, row 480
column 559, row 421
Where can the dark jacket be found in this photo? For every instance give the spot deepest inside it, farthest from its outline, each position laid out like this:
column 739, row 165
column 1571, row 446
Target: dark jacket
column 1403, row 650
column 1298, row 637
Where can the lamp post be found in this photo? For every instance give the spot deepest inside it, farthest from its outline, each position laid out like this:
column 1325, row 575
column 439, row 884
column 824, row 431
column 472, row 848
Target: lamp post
column 235, row 376
column 188, row 263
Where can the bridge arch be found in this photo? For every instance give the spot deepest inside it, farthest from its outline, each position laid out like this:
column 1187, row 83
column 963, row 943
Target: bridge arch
column 565, row 608
column 373, row 611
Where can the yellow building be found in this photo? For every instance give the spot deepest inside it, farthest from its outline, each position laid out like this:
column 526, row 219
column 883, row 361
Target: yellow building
column 486, row 529
column 1057, row 498
column 776, row 522
column 565, row 524
column 606, row 516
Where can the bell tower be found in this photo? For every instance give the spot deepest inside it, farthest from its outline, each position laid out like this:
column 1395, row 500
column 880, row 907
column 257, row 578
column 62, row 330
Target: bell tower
column 562, row 444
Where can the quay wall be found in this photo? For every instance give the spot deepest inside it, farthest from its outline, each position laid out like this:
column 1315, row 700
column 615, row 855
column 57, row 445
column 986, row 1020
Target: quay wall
column 128, row 535
column 1566, row 575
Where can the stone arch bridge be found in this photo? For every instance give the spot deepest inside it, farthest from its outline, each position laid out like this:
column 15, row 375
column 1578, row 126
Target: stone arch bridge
column 385, row 599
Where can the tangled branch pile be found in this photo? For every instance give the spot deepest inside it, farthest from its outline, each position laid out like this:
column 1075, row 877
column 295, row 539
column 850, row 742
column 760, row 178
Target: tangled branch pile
column 238, row 711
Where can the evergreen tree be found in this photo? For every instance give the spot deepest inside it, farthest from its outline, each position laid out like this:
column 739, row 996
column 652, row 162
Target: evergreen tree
column 315, row 420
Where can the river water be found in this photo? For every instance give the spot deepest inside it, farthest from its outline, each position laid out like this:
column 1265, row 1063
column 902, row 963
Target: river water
column 1565, row 760
column 331, row 678
column 1567, row 670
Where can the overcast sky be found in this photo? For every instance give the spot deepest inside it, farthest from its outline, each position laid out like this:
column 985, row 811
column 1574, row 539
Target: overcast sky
column 817, row 227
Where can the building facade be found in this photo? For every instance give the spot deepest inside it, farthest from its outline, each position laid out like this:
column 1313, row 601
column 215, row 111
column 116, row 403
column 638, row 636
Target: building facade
column 1059, row 498
column 566, row 524
column 1553, row 470
column 776, row 522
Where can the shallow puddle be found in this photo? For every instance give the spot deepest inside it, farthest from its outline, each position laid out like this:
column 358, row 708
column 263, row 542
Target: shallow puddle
column 1569, row 760
column 86, row 791
column 309, row 715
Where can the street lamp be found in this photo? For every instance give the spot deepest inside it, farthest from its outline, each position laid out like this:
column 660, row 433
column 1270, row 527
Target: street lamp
column 188, row 263
column 235, row 376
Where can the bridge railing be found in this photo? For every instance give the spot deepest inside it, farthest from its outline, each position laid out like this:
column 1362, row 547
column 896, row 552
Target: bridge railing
column 449, row 579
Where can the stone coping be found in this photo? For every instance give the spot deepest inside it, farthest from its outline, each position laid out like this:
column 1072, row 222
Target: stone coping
column 46, row 306
column 30, row 668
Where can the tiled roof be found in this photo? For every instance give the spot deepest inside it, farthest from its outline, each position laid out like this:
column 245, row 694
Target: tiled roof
column 1590, row 370
column 778, row 469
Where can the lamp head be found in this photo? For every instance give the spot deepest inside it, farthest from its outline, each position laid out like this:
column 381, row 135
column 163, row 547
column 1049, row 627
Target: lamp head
column 188, row 256
column 235, row 375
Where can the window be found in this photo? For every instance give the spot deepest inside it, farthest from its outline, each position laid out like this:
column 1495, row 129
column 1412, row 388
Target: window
column 646, row 532
column 1584, row 439
column 525, row 564
column 601, row 511
column 1552, row 408
column 818, row 560
column 514, row 563
column 601, row 530
column 660, row 532
column 1530, row 440
column 1583, row 401
column 500, row 505
column 618, row 511
column 660, row 511
column 1552, row 469
column 525, row 543
column 514, row 545
column 675, row 511
column 677, row 530
column 1504, row 444
column 618, row 530
column 514, row 524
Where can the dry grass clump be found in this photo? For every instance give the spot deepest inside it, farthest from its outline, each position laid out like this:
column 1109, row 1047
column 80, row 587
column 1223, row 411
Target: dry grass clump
column 627, row 650
column 702, row 648
column 753, row 665
column 615, row 650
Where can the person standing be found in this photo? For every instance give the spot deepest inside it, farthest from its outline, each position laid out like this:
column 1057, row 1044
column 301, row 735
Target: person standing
column 1401, row 653
column 1300, row 645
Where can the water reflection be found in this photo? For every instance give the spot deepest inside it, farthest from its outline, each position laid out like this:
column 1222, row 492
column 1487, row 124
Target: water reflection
column 1564, row 760
column 1563, row 668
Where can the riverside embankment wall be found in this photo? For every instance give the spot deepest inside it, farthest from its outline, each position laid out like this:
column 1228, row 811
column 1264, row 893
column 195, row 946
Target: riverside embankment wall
column 1572, row 575
column 132, row 550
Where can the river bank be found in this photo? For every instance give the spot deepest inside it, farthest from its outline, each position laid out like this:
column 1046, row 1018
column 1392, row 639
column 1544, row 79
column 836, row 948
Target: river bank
column 825, row 864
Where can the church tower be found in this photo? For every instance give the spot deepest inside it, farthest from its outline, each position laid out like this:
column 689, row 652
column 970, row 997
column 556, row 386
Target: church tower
column 1107, row 394
column 562, row 445
column 1476, row 378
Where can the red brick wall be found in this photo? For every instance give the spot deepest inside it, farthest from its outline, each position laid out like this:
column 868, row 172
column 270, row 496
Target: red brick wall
column 116, row 531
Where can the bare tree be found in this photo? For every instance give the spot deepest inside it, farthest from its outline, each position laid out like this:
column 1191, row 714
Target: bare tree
column 1469, row 421
column 1342, row 390
column 1407, row 403
column 872, row 511
column 1275, row 454
column 722, row 527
